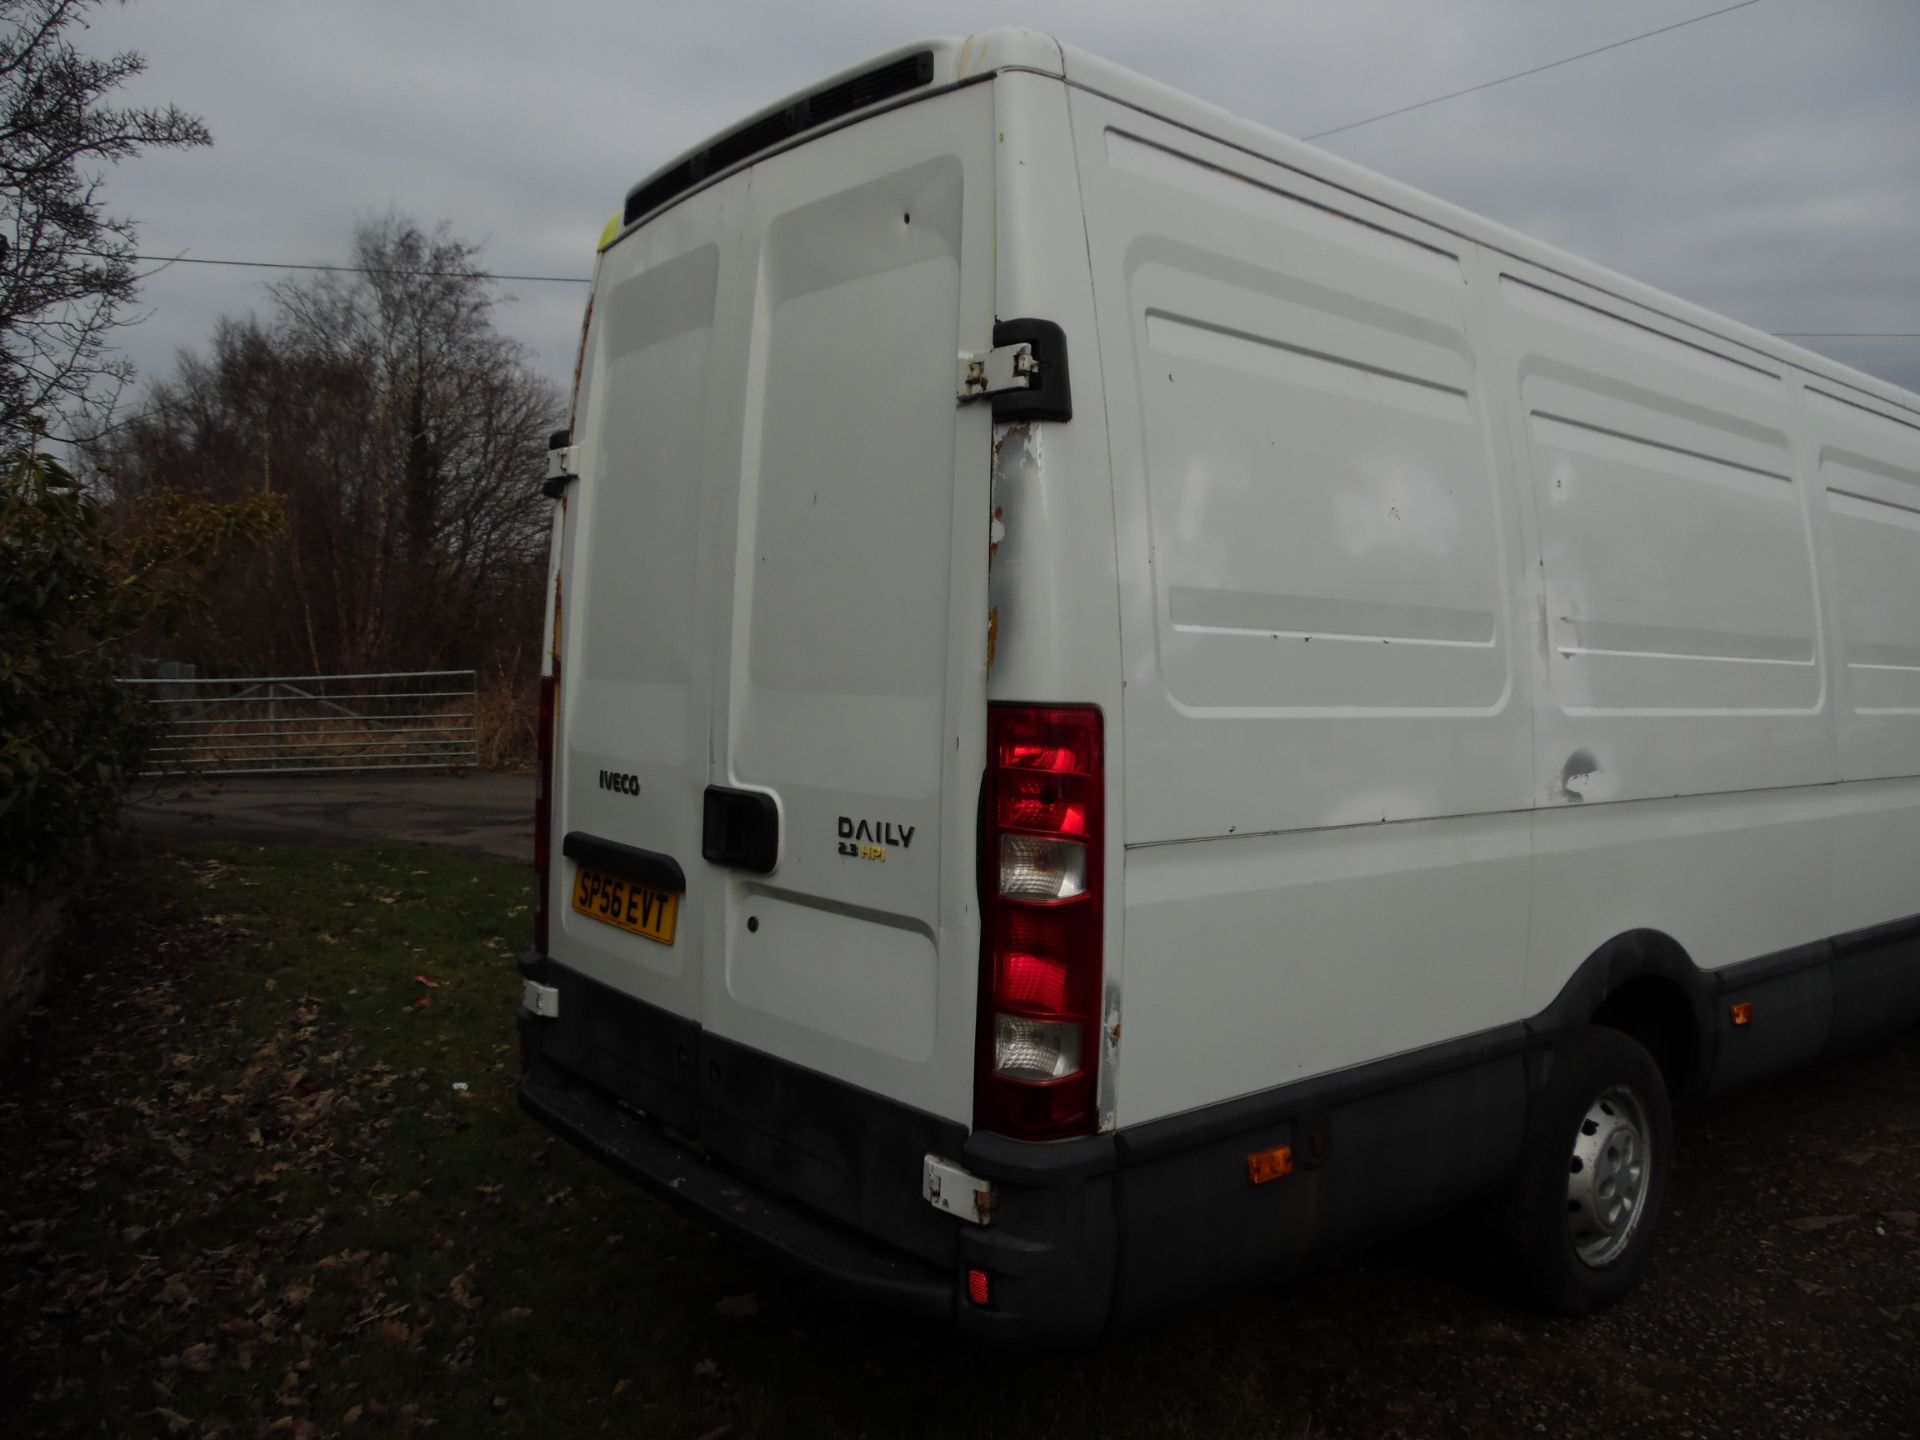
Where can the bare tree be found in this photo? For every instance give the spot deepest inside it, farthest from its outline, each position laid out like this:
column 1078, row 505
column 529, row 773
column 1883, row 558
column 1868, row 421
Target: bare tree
column 406, row 435
column 67, row 267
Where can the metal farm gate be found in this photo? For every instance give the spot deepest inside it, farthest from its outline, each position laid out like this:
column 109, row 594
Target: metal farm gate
column 305, row 724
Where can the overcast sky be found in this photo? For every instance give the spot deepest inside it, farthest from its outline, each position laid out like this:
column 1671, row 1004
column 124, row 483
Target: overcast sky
column 1765, row 163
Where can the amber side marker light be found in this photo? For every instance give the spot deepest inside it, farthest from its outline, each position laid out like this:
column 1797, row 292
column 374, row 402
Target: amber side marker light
column 1742, row 1013
column 1265, row 1165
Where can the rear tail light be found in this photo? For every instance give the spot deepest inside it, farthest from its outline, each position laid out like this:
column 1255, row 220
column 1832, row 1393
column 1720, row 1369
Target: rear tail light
column 1041, row 970
column 543, row 805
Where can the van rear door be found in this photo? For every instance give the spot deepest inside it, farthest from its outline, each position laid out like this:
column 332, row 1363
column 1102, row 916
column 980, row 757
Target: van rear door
column 778, row 578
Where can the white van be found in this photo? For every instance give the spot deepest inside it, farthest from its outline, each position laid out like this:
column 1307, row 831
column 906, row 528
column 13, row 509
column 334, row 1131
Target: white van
column 1131, row 704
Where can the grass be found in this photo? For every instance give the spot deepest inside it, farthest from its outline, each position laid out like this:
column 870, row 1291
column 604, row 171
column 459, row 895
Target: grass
column 290, row 1192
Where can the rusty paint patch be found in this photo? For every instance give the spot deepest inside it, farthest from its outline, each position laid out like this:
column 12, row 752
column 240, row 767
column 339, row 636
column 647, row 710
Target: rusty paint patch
column 993, row 634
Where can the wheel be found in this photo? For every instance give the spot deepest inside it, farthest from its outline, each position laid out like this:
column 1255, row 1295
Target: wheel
column 1593, row 1172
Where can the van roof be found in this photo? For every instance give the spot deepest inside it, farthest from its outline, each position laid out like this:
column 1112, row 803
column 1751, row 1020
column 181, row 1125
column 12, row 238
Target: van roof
column 945, row 61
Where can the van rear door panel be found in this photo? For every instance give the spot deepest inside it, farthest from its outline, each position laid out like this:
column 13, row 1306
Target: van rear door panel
column 856, row 645
column 781, row 589
column 636, row 709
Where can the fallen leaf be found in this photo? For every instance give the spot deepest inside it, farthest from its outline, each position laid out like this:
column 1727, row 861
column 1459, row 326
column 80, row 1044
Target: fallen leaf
column 1814, row 1287
column 198, row 1358
column 352, row 1417
column 423, row 980
column 461, row 1290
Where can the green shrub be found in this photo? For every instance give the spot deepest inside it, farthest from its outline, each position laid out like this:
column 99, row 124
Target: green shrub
column 70, row 738
column 75, row 583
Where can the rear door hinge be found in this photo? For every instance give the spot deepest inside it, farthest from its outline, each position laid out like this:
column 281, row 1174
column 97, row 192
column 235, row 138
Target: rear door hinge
column 996, row 371
column 1024, row 374
column 563, row 463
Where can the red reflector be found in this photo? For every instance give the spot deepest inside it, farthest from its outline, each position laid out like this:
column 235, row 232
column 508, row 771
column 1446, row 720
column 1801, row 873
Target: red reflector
column 979, row 1291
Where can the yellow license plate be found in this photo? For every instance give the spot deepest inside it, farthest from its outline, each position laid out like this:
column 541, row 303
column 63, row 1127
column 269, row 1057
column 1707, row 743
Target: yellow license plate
column 640, row 909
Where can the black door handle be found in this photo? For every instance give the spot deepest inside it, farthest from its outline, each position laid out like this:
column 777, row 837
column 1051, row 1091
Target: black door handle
column 740, row 829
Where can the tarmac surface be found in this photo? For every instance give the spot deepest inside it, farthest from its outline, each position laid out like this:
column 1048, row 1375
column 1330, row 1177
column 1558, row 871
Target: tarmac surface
column 480, row 813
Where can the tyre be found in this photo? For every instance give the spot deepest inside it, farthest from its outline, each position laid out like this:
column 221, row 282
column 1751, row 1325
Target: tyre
column 1593, row 1172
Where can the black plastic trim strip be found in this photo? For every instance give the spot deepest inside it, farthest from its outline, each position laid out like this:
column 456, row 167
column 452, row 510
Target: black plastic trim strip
column 1157, row 1138
column 629, row 862
column 1877, row 937
column 1771, row 967
column 824, row 106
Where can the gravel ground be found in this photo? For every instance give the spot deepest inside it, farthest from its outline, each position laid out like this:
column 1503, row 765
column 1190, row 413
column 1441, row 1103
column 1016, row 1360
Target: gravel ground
column 1784, row 1298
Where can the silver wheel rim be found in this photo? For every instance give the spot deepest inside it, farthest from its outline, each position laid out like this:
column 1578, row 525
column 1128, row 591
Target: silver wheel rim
column 1607, row 1175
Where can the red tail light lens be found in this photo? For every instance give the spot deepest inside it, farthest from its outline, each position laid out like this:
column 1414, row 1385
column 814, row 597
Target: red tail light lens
column 543, row 805
column 1042, row 870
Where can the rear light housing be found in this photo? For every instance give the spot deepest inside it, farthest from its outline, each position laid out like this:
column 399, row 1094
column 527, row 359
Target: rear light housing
column 1042, row 869
column 543, row 805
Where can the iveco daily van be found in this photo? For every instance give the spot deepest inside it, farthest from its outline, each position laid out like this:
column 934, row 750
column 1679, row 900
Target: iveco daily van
column 1130, row 703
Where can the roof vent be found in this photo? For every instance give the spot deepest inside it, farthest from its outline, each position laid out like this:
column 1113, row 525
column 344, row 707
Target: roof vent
column 883, row 82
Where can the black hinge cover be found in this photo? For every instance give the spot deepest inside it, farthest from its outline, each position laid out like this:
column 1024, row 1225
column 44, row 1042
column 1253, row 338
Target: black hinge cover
column 554, row 484
column 741, row 829
column 1050, row 395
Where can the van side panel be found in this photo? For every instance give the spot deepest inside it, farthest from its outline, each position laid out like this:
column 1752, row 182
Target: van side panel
column 1318, row 575
column 1683, row 646
column 1474, row 617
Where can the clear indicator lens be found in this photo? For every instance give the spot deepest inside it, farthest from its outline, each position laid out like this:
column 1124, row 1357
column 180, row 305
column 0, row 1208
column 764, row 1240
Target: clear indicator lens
column 1033, row 868
column 1034, row 1050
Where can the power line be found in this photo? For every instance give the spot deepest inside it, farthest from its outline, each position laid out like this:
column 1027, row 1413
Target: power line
column 360, row 269
column 1537, row 69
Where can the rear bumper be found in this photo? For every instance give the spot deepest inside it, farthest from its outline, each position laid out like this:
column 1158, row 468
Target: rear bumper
column 642, row 1151
column 822, row 1175
column 1088, row 1235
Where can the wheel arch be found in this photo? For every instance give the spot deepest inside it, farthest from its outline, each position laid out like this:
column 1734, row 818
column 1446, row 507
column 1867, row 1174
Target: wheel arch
column 1644, row 984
